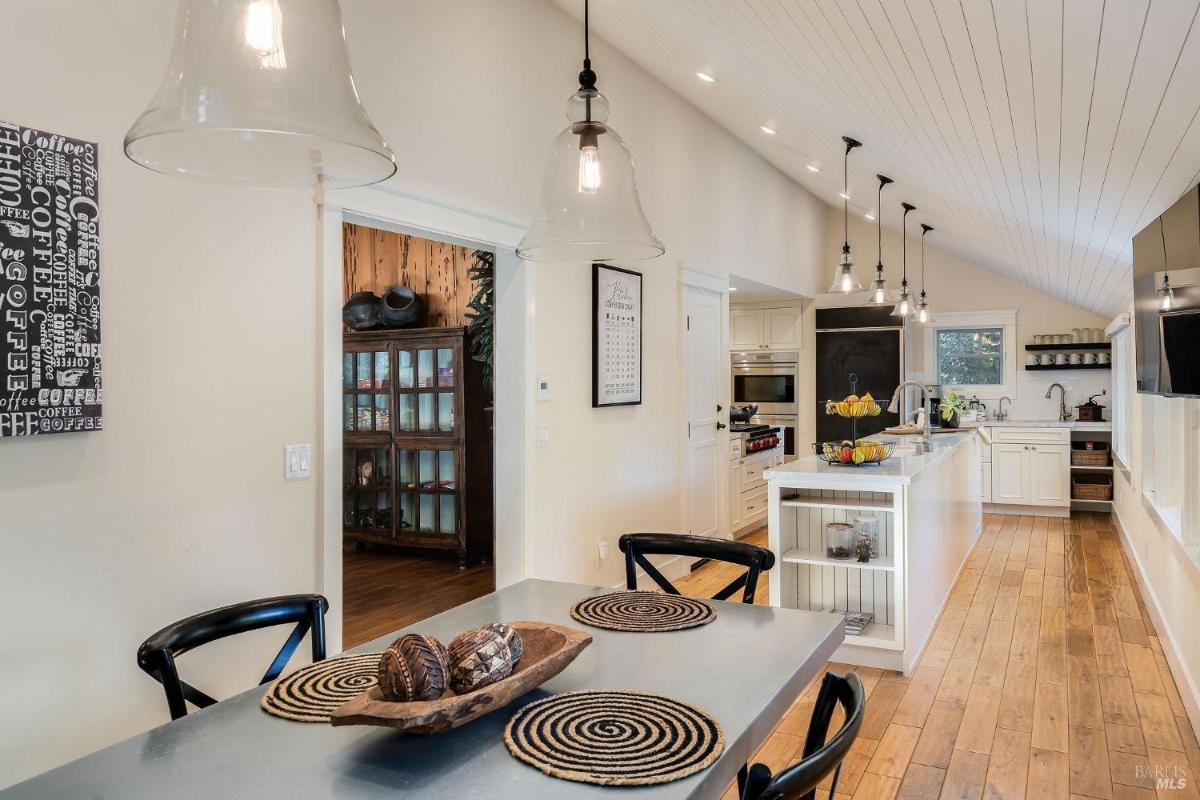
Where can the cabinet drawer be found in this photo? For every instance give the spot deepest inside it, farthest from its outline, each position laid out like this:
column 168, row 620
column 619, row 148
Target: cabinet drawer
column 753, row 471
column 754, row 503
column 1032, row 435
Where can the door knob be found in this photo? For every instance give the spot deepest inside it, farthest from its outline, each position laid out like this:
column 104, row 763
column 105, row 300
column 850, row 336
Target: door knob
column 720, row 426
column 718, row 408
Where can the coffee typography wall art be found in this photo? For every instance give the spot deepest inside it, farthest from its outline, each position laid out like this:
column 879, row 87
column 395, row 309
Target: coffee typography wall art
column 49, row 283
column 616, row 336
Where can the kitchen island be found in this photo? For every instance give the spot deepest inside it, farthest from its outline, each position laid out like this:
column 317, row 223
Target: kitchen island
column 927, row 509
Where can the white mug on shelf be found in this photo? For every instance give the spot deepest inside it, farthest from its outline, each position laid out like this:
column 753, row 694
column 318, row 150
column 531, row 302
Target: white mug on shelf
column 1090, row 358
column 1077, row 359
column 1060, row 359
column 1032, row 359
column 1047, row 359
column 1105, row 358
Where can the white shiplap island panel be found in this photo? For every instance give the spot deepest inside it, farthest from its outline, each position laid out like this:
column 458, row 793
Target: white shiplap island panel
column 929, row 509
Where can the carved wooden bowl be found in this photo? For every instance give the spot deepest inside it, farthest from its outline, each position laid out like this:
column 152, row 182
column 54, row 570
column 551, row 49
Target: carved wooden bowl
column 548, row 650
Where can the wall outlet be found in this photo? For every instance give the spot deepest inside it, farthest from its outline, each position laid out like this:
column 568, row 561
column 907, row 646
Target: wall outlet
column 297, row 461
column 601, row 552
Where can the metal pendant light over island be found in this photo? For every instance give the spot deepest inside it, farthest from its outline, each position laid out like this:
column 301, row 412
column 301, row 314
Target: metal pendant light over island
column 844, row 280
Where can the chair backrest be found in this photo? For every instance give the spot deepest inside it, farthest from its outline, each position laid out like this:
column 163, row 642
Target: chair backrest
column 636, row 546
column 799, row 781
column 157, row 655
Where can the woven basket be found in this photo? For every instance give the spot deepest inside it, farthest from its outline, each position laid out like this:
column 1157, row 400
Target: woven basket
column 1091, row 487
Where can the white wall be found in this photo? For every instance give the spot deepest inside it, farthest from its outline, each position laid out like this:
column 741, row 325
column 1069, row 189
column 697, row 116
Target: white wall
column 954, row 284
column 210, row 342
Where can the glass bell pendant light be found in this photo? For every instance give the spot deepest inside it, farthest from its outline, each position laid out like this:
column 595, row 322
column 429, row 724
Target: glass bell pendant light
column 260, row 93
column 879, row 285
column 590, row 209
column 904, row 307
column 844, row 280
column 923, row 305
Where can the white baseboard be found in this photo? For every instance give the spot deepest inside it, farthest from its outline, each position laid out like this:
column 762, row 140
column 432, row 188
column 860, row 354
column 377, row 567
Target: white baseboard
column 1189, row 691
column 1034, row 511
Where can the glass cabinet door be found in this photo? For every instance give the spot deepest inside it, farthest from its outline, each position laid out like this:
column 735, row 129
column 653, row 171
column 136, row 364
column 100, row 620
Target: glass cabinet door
column 367, row 390
column 428, row 484
column 367, row 490
column 425, row 390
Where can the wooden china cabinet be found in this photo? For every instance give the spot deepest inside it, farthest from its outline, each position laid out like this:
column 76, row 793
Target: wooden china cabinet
column 417, row 442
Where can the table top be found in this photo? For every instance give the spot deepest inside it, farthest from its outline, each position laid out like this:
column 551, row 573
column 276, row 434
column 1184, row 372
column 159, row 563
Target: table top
column 745, row 668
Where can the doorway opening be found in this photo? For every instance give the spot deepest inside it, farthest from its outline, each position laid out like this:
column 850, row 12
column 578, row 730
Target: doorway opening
column 417, row 420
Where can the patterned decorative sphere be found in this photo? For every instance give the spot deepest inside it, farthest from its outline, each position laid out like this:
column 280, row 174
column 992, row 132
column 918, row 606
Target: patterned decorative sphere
column 414, row 667
column 516, row 644
column 478, row 658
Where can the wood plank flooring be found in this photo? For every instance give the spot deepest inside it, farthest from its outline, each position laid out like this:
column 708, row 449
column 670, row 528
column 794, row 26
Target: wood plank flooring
column 1044, row 679
column 384, row 589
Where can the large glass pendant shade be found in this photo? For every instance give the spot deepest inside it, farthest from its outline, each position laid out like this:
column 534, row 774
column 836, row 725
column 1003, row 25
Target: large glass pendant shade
column 260, row 93
column 590, row 210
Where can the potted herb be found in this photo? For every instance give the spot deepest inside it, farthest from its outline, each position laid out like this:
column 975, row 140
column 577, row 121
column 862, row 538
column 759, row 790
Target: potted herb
column 951, row 406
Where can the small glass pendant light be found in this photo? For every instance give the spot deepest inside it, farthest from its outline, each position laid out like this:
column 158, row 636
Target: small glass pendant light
column 923, row 305
column 879, row 285
column 904, row 307
column 590, row 207
column 844, row 280
column 260, row 93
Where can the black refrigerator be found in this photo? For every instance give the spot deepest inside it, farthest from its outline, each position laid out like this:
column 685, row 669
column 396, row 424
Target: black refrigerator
column 866, row 341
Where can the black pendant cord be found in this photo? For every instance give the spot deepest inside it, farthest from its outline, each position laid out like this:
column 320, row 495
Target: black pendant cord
column 904, row 244
column 587, row 78
column 850, row 145
column 924, row 230
column 883, row 181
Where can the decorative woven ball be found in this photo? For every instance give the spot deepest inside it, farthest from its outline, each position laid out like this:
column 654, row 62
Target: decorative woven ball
column 414, row 667
column 516, row 644
column 478, row 658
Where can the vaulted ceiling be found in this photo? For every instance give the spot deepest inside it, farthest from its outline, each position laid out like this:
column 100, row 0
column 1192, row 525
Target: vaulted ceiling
column 1037, row 135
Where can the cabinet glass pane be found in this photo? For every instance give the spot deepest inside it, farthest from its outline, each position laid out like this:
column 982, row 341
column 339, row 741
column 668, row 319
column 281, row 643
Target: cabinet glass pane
column 362, row 412
column 424, row 369
column 408, row 475
column 347, row 370
column 365, row 514
column 404, row 376
column 383, row 511
column 445, row 366
column 426, row 464
column 362, row 377
column 364, row 468
column 348, row 467
column 405, row 417
column 349, row 515
column 445, row 411
column 408, row 513
column 446, row 520
column 425, row 516
column 425, row 411
column 383, row 468
column 383, row 369
column 446, row 477
column 383, row 413
column 348, row 412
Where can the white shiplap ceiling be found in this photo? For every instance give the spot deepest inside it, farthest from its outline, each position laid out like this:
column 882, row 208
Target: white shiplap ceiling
column 1037, row 135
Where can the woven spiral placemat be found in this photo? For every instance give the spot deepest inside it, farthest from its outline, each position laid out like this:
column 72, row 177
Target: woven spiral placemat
column 643, row 612
column 614, row 738
column 311, row 693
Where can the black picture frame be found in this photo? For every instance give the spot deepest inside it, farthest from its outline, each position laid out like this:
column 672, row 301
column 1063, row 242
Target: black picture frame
column 598, row 303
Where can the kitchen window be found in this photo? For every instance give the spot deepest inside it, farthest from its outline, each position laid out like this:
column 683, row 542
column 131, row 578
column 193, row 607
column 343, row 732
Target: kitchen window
column 973, row 352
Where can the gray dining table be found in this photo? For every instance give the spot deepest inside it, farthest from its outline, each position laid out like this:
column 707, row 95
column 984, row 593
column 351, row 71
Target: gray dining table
column 745, row 668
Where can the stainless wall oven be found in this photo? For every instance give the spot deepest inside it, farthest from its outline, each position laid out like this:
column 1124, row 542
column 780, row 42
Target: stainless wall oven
column 767, row 380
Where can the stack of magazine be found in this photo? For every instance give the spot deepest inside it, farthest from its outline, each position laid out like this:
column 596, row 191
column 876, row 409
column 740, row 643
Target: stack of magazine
column 856, row 621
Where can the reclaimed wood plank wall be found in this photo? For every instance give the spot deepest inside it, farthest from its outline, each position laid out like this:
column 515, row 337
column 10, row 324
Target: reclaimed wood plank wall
column 373, row 260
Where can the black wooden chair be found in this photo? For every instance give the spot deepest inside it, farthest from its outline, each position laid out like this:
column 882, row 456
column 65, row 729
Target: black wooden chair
column 799, row 781
column 636, row 546
column 157, row 654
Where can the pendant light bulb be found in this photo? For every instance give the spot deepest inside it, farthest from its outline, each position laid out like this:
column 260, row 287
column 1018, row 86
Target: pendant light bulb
column 923, row 309
column 844, row 280
column 1166, row 294
column 879, row 285
column 590, row 209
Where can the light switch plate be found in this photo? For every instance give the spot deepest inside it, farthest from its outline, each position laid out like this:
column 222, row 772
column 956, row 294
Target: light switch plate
column 297, row 461
column 543, row 435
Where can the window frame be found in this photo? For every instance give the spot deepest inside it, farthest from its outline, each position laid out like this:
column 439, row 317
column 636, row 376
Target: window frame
column 971, row 320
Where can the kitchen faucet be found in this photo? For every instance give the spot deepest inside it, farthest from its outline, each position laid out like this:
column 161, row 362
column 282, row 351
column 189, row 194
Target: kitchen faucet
column 1001, row 414
column 894, row 406
column 1063, row 414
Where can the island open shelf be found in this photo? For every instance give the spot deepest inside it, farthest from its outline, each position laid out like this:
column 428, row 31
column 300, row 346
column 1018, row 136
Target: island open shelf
column 928, row 512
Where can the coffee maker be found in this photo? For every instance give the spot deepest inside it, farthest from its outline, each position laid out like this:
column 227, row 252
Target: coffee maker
column 935, row 402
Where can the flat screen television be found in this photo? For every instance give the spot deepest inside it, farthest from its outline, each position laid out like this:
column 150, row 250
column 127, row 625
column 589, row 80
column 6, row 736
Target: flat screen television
column 1166, row 298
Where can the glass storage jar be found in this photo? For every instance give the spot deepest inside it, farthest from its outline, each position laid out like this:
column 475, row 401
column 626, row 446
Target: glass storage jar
column 866, row 537
column 839, row 540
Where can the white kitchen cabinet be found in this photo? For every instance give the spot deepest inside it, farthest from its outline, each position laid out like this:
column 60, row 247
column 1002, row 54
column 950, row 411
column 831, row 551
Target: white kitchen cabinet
column 764, row 328
column 986, row 470
column 1049, row 475
column 748, row 487
column 1010, row 473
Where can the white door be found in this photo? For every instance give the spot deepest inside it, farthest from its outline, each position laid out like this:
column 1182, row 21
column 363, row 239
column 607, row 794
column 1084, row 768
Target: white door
column 782, row 328
column 745, row 329
column 703, row 360
column 1050, row 475
column 1009, row 479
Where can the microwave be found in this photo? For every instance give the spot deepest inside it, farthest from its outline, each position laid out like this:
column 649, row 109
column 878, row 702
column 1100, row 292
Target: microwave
column 767, row 380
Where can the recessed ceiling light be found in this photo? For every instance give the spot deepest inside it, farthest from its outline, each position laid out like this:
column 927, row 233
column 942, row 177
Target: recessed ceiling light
column 843, row 195
column 813, row 168
column 733, row 288
column 766, row 130
column 704, row 76
column 869, row 215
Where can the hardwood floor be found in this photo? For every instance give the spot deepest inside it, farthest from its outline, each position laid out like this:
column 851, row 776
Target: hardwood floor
column 1044, row 679
column 384, row 590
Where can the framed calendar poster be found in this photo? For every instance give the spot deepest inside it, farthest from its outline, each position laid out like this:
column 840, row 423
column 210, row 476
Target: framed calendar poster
column 616, row 336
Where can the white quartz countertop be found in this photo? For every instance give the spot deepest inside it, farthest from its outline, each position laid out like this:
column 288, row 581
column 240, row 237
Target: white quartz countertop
column 1043, row 423
column 812, row 472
